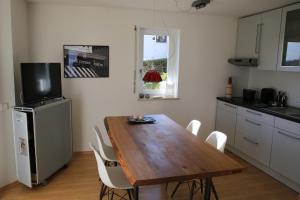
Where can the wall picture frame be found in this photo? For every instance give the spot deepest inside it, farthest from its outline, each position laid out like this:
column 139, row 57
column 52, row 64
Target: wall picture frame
column 86, row 61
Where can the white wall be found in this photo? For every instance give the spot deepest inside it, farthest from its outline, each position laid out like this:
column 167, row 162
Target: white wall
column 287, row 81
column 7, row 159
column 206, row 43
column 20, row 41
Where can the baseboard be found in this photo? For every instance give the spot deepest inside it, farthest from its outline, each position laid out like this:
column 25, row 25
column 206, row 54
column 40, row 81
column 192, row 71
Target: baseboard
column 82, row 152
column 13, row 184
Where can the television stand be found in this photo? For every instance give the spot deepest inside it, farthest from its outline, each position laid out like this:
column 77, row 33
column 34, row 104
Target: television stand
column 43, row 140
column 41, row 103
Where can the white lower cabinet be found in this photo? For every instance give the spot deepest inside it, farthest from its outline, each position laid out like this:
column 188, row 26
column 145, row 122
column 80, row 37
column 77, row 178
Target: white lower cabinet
column 285, row 157
column 254, row 139
column 270, row 143
column 226, row 120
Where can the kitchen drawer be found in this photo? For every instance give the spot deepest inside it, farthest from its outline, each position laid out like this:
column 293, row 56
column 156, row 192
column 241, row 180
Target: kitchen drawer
column 227, row 106
column 287, row 125
column 285, row 154
column 258, row 116
column 254, row 139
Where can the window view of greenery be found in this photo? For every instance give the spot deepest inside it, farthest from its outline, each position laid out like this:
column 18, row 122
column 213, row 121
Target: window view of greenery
column 156, row 51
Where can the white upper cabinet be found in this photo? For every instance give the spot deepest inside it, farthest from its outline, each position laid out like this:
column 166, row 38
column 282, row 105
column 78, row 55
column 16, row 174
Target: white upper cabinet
column 269, row 41
column 258, row 37
column 289, row 48
column 248, row 37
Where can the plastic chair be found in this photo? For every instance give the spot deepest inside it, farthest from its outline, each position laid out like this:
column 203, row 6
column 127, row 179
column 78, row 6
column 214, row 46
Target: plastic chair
column 111, row 178
column 217, row 139
column 194, row 127
column 106, row 152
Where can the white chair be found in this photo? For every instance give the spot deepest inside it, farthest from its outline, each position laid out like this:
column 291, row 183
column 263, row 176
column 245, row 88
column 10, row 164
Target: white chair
column 217, row 139
column 111, row 178
column 105, row 138
column 194, row 127
column 106, row 152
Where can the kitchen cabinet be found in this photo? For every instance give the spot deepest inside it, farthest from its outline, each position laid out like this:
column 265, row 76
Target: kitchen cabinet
column 257, row 116
column 273, row 37
column 22, row 139
column 43, row 140
column 289, row 48
column 248, row 37
column 254, row 138
column 226, row 120
column 258, row 37
column 270, row 143
column 269, row 41
column 285, row 149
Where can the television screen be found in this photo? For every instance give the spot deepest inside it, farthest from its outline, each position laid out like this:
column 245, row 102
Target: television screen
column 40, row 81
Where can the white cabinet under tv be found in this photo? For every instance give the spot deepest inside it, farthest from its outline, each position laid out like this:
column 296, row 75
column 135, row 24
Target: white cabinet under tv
column 43, row 140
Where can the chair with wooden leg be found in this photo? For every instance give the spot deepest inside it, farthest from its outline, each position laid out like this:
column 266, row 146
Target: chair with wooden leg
column 106, row 151
column 112, row 178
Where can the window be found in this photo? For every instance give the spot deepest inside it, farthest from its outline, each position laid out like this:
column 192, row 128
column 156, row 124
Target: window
column 157, row 63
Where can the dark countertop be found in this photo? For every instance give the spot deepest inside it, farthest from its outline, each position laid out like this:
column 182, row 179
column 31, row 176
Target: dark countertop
column 289, row 113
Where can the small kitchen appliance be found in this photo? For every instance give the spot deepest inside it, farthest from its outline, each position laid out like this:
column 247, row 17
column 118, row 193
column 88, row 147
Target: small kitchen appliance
column 267, row 95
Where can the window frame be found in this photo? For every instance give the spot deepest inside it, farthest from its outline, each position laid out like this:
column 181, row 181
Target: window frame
column 172, row 66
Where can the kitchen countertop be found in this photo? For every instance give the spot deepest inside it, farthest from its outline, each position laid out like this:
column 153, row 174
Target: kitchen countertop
column 289, row 113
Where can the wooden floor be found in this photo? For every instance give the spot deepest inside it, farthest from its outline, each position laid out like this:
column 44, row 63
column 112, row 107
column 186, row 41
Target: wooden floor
column 80, row 182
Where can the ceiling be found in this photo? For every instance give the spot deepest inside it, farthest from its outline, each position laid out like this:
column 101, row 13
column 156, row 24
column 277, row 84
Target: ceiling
column 235, row 8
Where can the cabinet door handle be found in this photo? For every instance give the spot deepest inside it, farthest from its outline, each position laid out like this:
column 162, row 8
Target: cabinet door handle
column 254, row 113
column 251, row 122
column 288, row 135
column 251, row 141
column 258, row 38
column 229, row 105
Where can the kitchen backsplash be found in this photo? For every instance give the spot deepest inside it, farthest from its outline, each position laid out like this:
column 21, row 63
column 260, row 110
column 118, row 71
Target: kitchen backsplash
column 286, row 81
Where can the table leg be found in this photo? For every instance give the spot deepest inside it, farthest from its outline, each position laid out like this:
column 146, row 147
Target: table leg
column 136, row 193
column 207, row 188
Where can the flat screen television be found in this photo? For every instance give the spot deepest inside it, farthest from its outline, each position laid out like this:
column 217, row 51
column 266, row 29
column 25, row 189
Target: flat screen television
column 40, row 82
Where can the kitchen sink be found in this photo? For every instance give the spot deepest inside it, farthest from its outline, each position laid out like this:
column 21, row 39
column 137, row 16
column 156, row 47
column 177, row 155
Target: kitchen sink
column 276, row 108
column 295, row 115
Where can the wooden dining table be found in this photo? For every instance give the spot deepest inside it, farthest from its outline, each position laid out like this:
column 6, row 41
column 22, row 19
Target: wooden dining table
column 163, row 152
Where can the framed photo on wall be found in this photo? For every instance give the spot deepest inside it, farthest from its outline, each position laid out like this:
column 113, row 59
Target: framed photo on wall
column 86, row 61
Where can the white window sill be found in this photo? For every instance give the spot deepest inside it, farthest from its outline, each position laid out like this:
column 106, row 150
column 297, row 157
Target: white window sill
column 158, row 98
